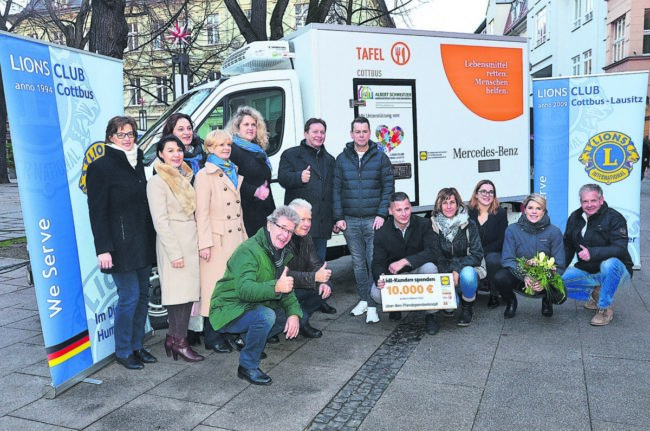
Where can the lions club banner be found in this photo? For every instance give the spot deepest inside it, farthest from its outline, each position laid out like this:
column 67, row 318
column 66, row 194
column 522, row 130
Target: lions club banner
column 59, row 101
column 589, row 129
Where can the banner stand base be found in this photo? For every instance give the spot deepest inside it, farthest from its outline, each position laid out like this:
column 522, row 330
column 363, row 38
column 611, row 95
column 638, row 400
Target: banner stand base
column 50, row 392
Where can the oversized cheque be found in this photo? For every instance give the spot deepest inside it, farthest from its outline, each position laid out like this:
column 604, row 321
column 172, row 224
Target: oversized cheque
column 409, row 292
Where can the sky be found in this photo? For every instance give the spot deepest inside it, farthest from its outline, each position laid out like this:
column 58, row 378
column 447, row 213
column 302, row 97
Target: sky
column 447, row 15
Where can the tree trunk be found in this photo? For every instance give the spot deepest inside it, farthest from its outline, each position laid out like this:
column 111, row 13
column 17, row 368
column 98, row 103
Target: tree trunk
column 242, row 22
column 108, row 28
column 277, row 30
column 4, row 176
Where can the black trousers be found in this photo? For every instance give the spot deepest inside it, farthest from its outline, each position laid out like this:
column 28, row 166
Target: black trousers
column 310, row 302
column 507, row 283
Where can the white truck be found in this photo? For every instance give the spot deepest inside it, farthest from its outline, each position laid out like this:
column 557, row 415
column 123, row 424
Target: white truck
column 449, row 109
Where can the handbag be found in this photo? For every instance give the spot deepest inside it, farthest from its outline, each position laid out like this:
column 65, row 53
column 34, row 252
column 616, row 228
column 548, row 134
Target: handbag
column 481, row 270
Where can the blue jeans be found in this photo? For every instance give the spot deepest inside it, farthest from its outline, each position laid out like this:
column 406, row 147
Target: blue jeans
column 320, row 247
column 257, row 324
column 131, row 310
column 360, row 235
column 468, row 280
column 579, row 284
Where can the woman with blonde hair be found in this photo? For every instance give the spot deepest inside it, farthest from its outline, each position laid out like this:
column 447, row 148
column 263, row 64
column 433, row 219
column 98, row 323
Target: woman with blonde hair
column 492, row 221
column 460, row 248
column 250, row 138
column 172, row 203
column 533, row 233
column 220, row 223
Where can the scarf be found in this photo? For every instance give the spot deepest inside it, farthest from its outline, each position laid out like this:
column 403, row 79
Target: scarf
column 178, row 181
column 194, row 162
column 253, row 148
column 131, row 156
column 449, row 226
column 277, row 256
column 228, row 167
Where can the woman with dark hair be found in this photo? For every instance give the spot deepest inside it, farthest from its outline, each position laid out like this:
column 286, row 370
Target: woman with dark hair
column 181, row 126
column 492, row 221
column 250, row 138
column 460, row 248
column 124, row 235
column 533, row 233
column 172, row 202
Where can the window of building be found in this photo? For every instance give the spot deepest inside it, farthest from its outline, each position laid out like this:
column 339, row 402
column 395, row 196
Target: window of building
column 132, row 43
column 541, row 35
column 576, row 65
column 646, row 32
column 135, row 92
column 300, row 12
column 57, row 37
column 212, row 28
column 589, row 10
column 586, row 62
column 577, row 14
column 158, row 35
column 618, row 47
column 162, row 89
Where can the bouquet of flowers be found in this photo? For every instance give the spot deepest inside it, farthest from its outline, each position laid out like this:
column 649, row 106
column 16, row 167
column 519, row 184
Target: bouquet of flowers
column 541, row 268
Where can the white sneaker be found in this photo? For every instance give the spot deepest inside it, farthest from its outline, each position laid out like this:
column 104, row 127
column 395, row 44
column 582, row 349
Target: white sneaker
column 371, row 315
column 360, row 308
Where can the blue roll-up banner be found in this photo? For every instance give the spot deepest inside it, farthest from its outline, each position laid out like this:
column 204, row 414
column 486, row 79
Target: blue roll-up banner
column 59, row 101
column 589, row 129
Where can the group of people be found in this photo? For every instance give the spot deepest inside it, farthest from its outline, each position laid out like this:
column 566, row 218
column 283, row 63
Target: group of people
column 246, row 271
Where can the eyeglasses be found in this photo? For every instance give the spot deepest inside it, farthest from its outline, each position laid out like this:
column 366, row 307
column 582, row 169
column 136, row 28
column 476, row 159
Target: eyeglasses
column 283, row 229
column 121, row 135
column 486, row 192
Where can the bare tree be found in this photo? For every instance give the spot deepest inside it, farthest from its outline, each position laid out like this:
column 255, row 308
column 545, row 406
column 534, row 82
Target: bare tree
column 108, row 28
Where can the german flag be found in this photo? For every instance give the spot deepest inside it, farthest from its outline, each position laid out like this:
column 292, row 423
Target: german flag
column 71, row 347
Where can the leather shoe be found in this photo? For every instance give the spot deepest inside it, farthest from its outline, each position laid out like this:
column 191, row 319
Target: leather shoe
column 395, row 316
column 273, row 340
column 254, row 376
column 493, row 302
column 309, row 331
column 511, row 308
column 240, row 344
column 547, row 308
column 144, row 356
column 431, row 324
column 326, row 308
column 130, row 362
column 223, row 347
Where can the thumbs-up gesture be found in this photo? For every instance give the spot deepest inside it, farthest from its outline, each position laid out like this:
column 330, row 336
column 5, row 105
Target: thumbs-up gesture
column 584, row 253
column 262, row 191
column 323, row 274
column 284, row 283
column 306, row 174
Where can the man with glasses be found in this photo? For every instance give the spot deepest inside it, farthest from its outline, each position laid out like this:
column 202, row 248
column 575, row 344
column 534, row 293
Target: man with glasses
column 255, row 296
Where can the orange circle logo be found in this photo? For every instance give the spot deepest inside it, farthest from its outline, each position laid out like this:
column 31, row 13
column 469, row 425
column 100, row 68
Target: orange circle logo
column 400, row 53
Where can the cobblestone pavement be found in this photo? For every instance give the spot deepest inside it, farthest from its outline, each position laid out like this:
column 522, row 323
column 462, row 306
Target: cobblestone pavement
column 355, row 400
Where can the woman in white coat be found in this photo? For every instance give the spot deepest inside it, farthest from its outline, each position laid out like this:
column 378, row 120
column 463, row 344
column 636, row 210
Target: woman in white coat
column 172, row 203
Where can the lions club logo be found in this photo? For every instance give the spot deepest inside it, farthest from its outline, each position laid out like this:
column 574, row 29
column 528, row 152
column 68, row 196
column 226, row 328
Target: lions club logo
column 608, row 157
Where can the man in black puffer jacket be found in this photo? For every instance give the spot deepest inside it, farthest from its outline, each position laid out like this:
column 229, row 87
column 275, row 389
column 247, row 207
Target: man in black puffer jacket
column 363, row 182
column 598, row 234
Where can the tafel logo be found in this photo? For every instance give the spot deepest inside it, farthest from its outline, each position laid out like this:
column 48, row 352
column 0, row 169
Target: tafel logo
column 400, row 53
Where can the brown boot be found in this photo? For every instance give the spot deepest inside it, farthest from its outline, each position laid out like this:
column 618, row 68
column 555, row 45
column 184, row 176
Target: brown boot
column 592, row 302
column 169, row 342
column 603, row 317
column 182, row 348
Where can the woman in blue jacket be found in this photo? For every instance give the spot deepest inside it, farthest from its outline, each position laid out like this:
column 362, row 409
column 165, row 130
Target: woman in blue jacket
column 533, row 233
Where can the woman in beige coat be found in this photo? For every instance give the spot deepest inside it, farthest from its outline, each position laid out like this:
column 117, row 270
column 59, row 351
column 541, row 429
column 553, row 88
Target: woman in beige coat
column 172, row 203
column 220, row 223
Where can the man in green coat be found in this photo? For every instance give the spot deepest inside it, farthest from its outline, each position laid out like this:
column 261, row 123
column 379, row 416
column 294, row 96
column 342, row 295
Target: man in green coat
column 255, row 296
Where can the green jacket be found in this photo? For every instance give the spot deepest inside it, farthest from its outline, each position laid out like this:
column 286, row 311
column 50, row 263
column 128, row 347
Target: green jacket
column 249, row 281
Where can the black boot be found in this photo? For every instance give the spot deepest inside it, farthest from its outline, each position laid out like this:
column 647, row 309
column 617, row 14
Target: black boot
column 431, row 324
column 547, row 308
column 493, row 302
column 466, row 312
column 511, row 307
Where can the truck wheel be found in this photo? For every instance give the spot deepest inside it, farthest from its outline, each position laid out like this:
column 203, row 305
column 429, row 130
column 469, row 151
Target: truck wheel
column 157, row 311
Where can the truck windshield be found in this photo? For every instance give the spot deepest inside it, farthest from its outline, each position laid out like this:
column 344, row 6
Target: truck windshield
column 185, row 104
